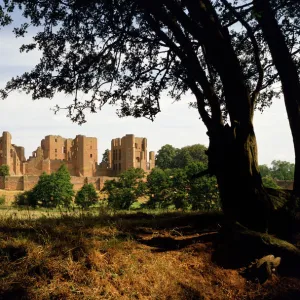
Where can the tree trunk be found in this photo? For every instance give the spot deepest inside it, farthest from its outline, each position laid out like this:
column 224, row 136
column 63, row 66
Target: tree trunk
column 233, row 150
column 233, row 159
column 288, row 74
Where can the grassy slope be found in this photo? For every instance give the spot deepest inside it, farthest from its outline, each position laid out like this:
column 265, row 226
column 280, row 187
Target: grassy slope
column 122, row 256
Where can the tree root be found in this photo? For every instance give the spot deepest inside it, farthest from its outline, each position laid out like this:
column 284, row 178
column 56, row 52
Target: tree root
column 238, row 246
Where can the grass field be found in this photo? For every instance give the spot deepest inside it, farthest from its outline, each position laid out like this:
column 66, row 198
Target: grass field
column 50, row 255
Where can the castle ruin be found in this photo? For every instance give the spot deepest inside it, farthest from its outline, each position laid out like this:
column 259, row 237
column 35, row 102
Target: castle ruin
column 130, row 152
column 80, row 155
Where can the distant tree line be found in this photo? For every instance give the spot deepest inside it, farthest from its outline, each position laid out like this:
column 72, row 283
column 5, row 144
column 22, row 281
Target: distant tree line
column 279, row 170
column 173, row 183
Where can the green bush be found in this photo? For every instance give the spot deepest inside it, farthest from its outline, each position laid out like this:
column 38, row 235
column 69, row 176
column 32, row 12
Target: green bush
column 158, row 183
column 203, row 191
column 25, row 199
column 122, row 193
column 179, row 188
column 51, row 191
column 86, row 196
column 4, row 170
column 269, row 182
column 2, row 200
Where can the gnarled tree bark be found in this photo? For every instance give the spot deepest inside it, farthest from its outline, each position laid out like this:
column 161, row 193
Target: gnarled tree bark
column 287, row 71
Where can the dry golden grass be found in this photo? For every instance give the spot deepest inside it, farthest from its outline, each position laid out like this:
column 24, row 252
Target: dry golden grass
column 9, row 196
column 121, row 256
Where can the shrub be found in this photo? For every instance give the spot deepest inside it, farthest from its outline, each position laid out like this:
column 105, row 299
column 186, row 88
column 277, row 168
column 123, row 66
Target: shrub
column 2, row 199
column 4, row 170
column 203, row 191
column 25, row 199
column 122, row 193
column 179, row 188
column 158, row 183
column 51, row 191
column 269, row 182
column 86, row 196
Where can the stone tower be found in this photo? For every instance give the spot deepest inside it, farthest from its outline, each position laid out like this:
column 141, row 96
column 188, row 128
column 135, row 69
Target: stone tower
column 130, row 152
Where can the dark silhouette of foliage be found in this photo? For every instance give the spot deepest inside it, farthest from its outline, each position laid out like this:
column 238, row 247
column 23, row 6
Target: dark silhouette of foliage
column 105, row 156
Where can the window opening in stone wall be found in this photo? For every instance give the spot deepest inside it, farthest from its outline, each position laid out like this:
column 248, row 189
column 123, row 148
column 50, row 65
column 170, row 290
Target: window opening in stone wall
column 137, row 159
column 120, row 154
column 55, row 140
column 136, row 145
column 55, row 150
column 91, row 155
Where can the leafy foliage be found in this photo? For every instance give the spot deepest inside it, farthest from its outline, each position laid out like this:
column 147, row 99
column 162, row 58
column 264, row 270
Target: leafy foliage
column 269, row 182
column 4, row 170
column 105, row 156
column 280, row 170
column 203, row 192
column 2, row 199
column 122, row 193
column 26, row 198
column 178, row 187
column 158, row 182
column 112, row 49
column 169, row 157
column 165, row 156
column 51, row 191
column 86, row 196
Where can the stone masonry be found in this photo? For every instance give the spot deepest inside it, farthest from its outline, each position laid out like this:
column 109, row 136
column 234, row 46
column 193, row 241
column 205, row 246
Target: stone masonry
column 80, row 155
column 130, row 152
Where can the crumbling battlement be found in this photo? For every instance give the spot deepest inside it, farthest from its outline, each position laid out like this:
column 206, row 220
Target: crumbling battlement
column 80, row 155
column 130, row 152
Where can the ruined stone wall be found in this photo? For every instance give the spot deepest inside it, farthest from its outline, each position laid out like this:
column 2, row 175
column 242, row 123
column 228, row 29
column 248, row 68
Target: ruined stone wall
column 78, row 182
column 285, row 184
column 14, row 183
column 95, row 181
column 130, row 152
column 53, row 147
column 105, row 178
column 87, row 155
column 27, row 182
column 2, row 182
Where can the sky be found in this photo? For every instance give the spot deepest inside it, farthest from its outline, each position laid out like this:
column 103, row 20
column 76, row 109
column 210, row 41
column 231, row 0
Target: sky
column 30, row 121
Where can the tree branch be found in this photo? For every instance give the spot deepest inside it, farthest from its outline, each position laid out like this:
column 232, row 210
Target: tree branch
column 255, row 47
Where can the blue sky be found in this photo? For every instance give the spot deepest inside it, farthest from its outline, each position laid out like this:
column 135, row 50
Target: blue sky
column 29, row 121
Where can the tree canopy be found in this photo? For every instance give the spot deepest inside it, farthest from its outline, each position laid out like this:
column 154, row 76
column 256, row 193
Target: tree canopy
column 105, row 155
column 4, row 170
column 280, row 170
column 52, row 190
column 169, row 157
column 129, row 52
